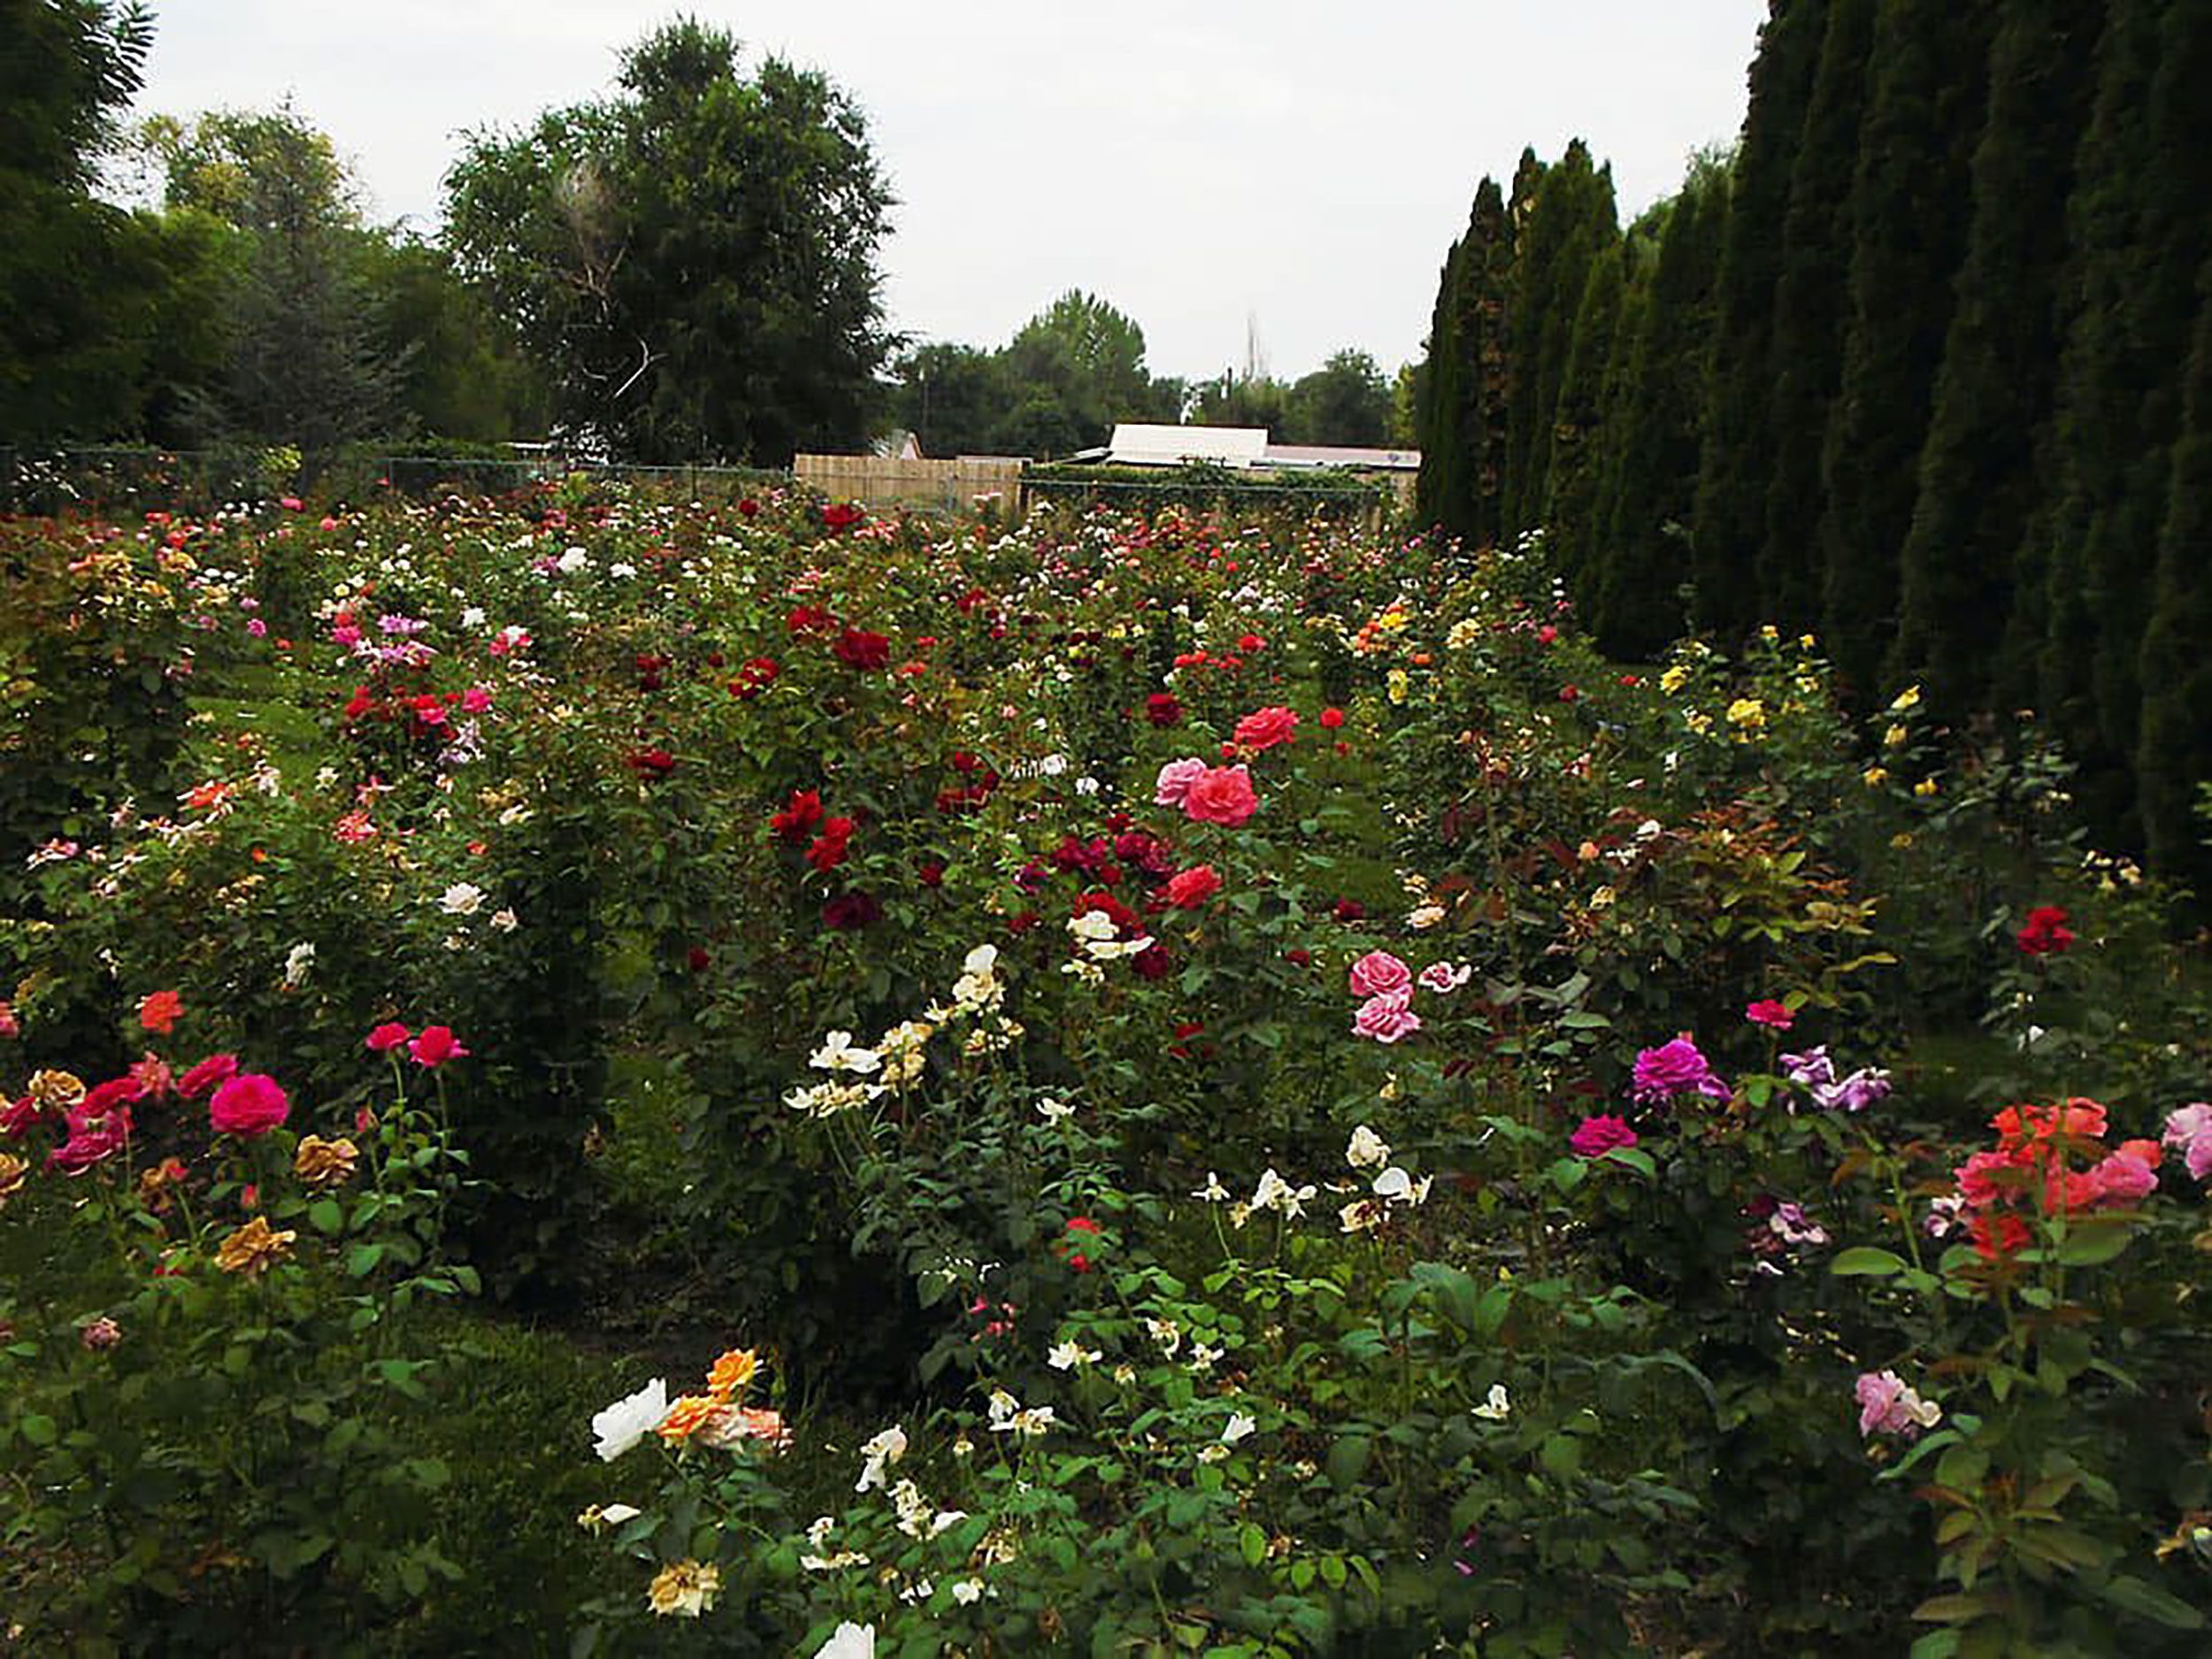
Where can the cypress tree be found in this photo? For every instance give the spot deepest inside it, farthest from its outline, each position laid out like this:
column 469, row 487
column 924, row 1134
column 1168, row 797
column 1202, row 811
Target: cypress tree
column 1908, row 209
column 2138, row 226
column 1978, row 480
column 2174, row 751
column 1642, row 557
column 1570, row 220
column 1738, row 462
column 1439, row 491
column 1463, row 435
column 1809, row 309
column 1576, row 443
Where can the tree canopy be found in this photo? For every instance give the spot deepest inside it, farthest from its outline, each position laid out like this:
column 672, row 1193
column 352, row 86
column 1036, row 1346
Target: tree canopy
column 695, row 256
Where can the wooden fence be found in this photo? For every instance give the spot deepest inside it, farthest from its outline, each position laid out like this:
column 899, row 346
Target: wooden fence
column 880, row 480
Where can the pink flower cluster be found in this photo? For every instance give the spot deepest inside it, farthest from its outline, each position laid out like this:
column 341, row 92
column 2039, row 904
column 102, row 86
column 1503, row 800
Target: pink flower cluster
column 2189, row 1132
column 1888, row 1405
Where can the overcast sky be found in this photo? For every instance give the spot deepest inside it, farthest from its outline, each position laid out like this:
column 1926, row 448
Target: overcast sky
column 1301, row 164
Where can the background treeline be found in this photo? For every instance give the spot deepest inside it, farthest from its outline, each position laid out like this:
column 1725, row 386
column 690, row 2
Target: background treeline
column 684, row 271
column 1924, row 366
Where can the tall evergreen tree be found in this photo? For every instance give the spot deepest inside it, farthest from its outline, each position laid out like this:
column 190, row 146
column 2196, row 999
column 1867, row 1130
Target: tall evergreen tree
column 1463, row 435
column 1810, row 303
column 1738, row 462
column 1978, row 481
column 2139, row 231
column 1642, row 558
column 1571, row 216
column 1575, row 474
column 1908, row 211
column 2174, row 751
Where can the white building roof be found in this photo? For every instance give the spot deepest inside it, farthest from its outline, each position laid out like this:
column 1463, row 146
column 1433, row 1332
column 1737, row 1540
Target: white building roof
column 1139, row 444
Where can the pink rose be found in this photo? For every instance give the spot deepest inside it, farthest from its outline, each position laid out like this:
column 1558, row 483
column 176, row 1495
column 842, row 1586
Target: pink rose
column 1175, row 779
column 1377, row 972
column 1385, row 1017
column 250, row 1104
column 1266, row 727
column 2189, row 1131
column 388, row 1036
column 2123, row 1178
column 1223, row 795
column 1189, row 890
column 1775, row 1015
column 436, row 1046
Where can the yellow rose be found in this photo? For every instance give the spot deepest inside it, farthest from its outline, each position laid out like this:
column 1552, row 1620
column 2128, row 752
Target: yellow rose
column 1908, row 698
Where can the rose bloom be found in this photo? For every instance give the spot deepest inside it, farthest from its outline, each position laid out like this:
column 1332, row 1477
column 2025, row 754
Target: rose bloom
column 858, row 649
column 1676, row 1068
column 731, row 1372
column 252, row 1104
column 1189, row 890
column 435, row 1047
column 687, row 1588
column 1162, row 708
column 1387, row 1016
column 13, row 1172
column 254, row 1249
column 217, row 1068
column 321, row 1163
column 1332, row 718
column 158, row 1012
column 688, row 1416
column 389, row 1036
column 1175, row 780
column 1223, row 795
column 1597, row 1136
column 1266, row 727
column 1775, row 1015
column 1378, row 972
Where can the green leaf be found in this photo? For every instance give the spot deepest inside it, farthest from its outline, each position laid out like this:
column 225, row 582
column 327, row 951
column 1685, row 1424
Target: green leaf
column 1635, row 1157
column 1347, row 1461
column 36, row 1428
column 1951, row 1609
column 2147, row 1600
column 2090, row 1243
column 325, row 1215
column 1254, row 1543
column 1866, row 1261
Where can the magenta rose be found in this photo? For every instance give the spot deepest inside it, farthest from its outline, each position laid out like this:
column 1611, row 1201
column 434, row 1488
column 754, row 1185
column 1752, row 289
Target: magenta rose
column 1597, row 1136
column 252, row 1103
column 1378, row 972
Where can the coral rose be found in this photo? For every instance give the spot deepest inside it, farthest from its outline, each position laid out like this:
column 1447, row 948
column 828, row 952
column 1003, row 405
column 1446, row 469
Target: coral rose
column 1222, row 796
column 1189, row 890
column 1266, row 727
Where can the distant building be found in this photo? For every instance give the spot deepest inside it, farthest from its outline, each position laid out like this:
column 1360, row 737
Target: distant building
column 1246, row 449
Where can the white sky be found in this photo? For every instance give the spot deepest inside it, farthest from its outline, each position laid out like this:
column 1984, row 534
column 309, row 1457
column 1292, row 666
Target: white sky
column 1303, row 162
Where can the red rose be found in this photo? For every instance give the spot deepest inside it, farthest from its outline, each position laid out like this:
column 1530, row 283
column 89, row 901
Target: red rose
column 435, row 1047
column 1189, row 890
column 1162, row 708
column 1332, row 718
column 383, row 1040
column 158, row 1012
column 799, row 816
column 838, row 516
column 250, row 1104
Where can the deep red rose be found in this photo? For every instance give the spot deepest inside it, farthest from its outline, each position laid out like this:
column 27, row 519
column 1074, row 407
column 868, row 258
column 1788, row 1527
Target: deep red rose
column 799, row 816
column 1162, row 708
column 858, row 649
column 840, row 516
column 849, row 912
column 650, row 763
